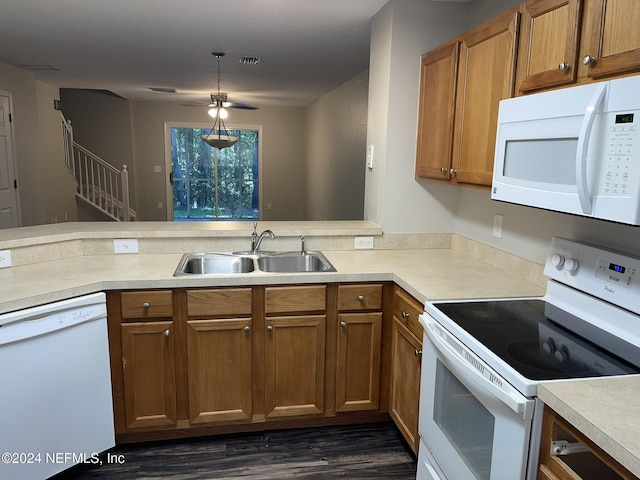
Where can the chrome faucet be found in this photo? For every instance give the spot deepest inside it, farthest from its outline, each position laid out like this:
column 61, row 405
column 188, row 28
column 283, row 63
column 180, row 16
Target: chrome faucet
column 256, row 239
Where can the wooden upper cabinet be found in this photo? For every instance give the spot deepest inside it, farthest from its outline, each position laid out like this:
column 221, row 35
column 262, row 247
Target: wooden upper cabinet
column 610, row 38
column 549, row 44
column 437, row 104
column 486, row 75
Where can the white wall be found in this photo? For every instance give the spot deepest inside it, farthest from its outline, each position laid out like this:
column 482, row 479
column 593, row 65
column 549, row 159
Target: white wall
column 335, row 152
column 401, row 32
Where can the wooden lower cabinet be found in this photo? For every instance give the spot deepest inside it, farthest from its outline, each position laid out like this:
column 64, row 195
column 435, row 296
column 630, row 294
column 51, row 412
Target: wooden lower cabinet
column 406, row 358
column 358, row 361
column 294, row 365
column 194, row 361
column 148, row 367
column 219, row 370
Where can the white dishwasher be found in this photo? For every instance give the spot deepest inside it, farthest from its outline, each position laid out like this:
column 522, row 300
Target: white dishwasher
column 55, row 387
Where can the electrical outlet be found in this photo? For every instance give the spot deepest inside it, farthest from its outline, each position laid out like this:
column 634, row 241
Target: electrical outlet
column 125, row 245
column 159, row 205
column 363, row 243
column 497, row 225
column 5, row 258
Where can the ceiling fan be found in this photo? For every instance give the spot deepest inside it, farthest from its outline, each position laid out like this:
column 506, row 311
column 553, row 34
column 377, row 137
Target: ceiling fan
column 220, row 100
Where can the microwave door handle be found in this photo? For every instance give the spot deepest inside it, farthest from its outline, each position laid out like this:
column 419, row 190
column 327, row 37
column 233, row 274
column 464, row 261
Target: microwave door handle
column 516, row 402
column 582, row 151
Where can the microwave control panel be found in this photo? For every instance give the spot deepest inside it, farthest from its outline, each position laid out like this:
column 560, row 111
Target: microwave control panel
column 622, row 147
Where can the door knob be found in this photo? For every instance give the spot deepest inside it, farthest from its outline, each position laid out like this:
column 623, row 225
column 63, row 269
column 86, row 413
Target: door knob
column 588, row 60
column 343, row 324
column 247, row 329
column 564, row 67
column 269, row 328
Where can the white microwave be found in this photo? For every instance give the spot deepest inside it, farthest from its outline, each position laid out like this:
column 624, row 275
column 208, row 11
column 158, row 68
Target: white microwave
column 574, row 150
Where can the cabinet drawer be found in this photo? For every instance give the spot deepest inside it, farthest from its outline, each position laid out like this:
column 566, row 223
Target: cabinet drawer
column 147, row 304
column 407, row 309
column 306, row 298
column 361, row 296
column 231, row 302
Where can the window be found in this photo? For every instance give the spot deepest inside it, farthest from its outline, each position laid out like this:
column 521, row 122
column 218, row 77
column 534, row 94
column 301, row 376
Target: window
column 212, row 184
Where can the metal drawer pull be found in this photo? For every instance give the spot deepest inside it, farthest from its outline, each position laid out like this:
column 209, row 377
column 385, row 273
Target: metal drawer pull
column 562, row 447
column 361, row 298
column 564, row 67
column 453, row 172
column 405, row 315
column 343, row 324
column 167, row 333
column 588, row 60
column 247, row 329
column 417, row 352
column 146, row 305
column 269, row 328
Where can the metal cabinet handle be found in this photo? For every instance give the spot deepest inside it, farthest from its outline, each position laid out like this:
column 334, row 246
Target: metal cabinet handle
column 405, row 315
column 453, row 172
column 343, row 324
column 167, row 333
column 361, row 298
column 247, row 329
column 564, row 67
column 443, row 169
column 146, row 305
column 417, row 352
column 269, row 328
column 588, row 60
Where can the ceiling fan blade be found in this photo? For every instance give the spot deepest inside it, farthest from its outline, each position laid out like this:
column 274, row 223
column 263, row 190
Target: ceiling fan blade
column 241, row 106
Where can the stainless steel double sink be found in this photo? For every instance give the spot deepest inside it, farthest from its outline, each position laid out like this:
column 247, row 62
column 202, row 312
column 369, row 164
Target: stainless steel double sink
column 252, row 262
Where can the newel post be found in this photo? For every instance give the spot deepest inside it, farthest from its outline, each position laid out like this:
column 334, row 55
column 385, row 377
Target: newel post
column 124, row 176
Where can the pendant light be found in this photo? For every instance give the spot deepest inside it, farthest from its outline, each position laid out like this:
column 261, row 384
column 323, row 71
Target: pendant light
column 218, row 137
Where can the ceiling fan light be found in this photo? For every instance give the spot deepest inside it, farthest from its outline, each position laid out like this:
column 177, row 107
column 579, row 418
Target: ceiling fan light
column 213, row 112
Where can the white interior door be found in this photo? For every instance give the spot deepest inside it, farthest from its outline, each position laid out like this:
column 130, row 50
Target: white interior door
column 9, row 203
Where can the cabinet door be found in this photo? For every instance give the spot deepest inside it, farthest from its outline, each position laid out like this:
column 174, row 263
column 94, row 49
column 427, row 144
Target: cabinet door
column 611, row 37
column 294, row 365
column 549, row 44
column 219, row 366
column 486, row 75
column 148, row 363
column 436, row 112
column 358, row 361
column 405, row 382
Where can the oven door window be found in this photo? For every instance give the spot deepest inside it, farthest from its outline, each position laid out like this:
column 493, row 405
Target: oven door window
column 466, row 423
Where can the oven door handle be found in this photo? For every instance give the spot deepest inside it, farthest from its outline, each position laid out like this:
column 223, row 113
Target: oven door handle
column 460, row 366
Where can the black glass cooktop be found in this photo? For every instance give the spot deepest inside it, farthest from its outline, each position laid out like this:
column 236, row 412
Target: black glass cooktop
column 524, row 335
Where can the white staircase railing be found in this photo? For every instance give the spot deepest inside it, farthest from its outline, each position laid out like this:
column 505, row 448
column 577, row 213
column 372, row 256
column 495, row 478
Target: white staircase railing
column 98, row 183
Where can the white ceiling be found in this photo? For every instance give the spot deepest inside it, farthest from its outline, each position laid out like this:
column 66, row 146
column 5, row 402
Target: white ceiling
column 307, row 47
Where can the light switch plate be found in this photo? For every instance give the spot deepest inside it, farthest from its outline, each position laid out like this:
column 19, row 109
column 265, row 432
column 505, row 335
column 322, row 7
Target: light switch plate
column 125, row 245
column 5, row 258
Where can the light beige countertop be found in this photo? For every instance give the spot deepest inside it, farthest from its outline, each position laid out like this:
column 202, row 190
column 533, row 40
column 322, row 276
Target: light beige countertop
column 425, row 273
column 606, row 410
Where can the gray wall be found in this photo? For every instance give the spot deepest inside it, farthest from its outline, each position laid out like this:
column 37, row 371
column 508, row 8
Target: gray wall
column 45, row 189
column 336, row 152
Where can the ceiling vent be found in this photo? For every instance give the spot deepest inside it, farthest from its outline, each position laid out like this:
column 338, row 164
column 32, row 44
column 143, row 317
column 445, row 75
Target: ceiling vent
column 250, row 60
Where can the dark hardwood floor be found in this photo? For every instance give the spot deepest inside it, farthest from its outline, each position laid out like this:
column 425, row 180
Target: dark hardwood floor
column 375, row 451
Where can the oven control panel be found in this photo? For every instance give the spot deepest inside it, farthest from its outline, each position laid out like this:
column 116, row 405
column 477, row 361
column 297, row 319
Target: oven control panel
column 606, row 274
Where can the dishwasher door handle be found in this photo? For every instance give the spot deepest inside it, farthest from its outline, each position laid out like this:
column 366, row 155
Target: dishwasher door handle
column 42, row 324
